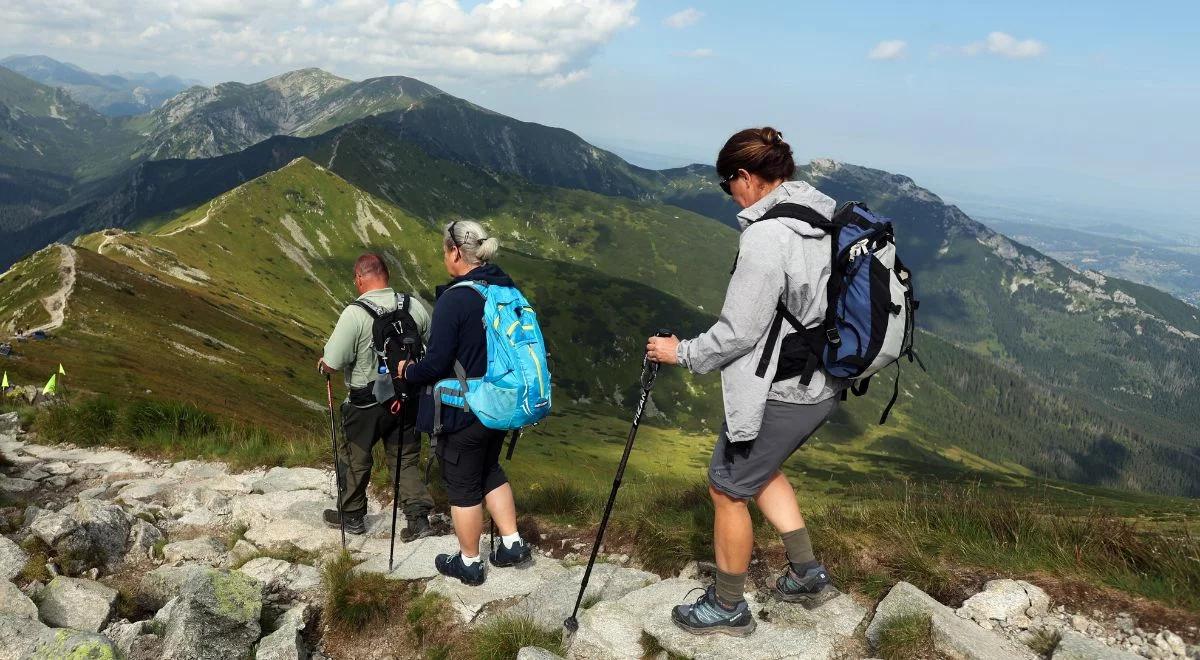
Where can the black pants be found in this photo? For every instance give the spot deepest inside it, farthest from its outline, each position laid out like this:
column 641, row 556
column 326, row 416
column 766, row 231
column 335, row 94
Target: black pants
column 364, row 427
column 470, row 460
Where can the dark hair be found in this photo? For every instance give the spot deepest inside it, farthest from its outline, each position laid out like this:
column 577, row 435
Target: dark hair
column 371, row 265
column 760, row 151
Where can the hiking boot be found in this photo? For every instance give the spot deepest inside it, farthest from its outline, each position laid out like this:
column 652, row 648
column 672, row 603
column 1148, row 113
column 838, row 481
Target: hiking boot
column 707, row 616
column 417, row 527
column 354, row 522
column 453, row 566
column 519, row 553
column 811, row 590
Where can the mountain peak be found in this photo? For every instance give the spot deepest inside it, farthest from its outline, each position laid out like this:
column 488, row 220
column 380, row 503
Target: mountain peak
column 305, row 82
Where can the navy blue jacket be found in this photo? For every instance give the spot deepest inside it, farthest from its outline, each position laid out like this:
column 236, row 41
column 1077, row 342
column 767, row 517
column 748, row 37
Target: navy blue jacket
column 456, row 333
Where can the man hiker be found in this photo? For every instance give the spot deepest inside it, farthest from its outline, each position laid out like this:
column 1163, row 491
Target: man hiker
column 364, row 419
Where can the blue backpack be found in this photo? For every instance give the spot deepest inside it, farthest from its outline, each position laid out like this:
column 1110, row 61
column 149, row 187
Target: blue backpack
column 870, row 318
column 515, row 391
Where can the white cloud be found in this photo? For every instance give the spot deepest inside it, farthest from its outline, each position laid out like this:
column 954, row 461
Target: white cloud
column 892, row 49
column 1006, row 45
column 562, row 80
column 681, row 19
column 697, row 53
column 551, row 41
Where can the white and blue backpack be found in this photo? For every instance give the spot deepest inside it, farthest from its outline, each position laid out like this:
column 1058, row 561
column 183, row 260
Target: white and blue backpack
column 515, row 391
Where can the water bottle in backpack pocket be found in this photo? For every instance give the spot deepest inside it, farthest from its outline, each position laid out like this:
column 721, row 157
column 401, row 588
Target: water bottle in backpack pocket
column 515, row 390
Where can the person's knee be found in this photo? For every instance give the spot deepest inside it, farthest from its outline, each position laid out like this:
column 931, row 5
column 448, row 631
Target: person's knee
column 723, row 500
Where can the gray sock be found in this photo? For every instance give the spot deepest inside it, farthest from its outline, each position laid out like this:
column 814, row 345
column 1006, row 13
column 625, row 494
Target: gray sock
column 799, row 550
column 731, row 588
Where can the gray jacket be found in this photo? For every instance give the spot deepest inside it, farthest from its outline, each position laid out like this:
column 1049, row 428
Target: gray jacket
column 778, row 258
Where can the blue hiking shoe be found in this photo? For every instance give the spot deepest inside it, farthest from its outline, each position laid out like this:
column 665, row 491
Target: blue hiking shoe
column 453, row 566
column 708, row 617
column 812, row 590
column 519, row 553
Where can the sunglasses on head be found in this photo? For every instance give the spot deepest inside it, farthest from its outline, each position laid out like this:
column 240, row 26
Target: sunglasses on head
column 725, row 181
column 452, row 238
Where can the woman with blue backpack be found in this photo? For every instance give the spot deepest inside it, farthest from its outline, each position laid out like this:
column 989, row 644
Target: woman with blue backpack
column 467, row 450
column 771, row 408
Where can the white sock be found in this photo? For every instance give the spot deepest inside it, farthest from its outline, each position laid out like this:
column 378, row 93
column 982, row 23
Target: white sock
column 469, row 561
column 510, row 539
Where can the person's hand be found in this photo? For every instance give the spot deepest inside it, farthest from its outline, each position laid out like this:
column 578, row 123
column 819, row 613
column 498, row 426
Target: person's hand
column 323, row 368
column 403, row 364
column 663, row 350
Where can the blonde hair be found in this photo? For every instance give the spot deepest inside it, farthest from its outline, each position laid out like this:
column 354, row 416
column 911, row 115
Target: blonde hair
column 471, row 239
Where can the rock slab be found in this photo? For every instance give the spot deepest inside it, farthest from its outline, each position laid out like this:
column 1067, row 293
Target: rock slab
column 215, row 617
column 13, row 602
column 12, row 559
column 952, row 635
column 1074, row 646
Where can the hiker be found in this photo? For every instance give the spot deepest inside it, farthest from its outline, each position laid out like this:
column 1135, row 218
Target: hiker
column 765, row 422
column 365, row 420
column 467, row 451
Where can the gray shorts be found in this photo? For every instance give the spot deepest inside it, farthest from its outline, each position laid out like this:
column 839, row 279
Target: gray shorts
column 741, row 469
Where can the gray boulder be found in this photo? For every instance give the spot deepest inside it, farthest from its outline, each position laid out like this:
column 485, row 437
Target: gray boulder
column 22, row 638
column 76, row 603
column 216, row 617
column 952, row 636
column 12, row 601
column 10, row 424
column 136, row 641
column 1074, row 646
column 12, row 559
column 17, row 486
column 282, row 581
column 1002, row 600
column 142, row 538
column 49, row 526
column 99, row 538
column 550, row 603
column 163, row 583
column 241, row 552
column 205, row 550
column 286, row 643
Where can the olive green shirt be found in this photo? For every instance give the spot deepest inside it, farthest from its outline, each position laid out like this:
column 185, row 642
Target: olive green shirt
column 349, row 347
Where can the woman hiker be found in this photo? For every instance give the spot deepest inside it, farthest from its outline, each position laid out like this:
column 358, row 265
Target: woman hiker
column 468, row 451
column 780, row 259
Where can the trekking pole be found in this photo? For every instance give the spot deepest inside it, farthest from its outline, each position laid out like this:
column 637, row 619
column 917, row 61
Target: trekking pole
column 336, row 470
column 401, row 399
column 649, row 373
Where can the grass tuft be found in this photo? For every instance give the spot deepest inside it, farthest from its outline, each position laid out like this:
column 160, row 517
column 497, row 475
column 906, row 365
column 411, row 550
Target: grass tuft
column 355, row 601
column 505, row 635
column 1043, row 641
column 906, row 636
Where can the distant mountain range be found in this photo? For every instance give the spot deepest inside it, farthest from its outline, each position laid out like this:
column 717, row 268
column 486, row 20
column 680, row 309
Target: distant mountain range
column 113, row 95
column 1034, row 366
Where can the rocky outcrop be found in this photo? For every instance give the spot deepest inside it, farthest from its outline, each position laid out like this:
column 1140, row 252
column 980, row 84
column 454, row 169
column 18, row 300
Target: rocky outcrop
column 16, row 603
column 215, row 617
column 286, row 642
column 12, row 559
column 951, row 634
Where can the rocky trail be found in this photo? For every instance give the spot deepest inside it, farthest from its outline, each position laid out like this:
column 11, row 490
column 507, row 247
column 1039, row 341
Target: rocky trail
column 114, row 555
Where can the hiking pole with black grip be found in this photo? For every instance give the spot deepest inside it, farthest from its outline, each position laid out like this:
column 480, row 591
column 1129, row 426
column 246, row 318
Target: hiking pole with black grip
column 649, row 373
column 337, row 471
column 398, row 410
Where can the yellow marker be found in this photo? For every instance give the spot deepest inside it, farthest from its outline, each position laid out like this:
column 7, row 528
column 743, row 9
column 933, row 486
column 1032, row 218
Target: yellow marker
column 5, row 383
column 51, row 385
column 61, row 370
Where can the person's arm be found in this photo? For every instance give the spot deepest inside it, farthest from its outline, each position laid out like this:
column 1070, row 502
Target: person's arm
column 342, row 348
column 754, row 289
column 443, row 340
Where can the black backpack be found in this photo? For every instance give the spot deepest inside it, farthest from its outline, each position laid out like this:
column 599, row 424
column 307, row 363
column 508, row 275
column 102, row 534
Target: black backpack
column 395, row 337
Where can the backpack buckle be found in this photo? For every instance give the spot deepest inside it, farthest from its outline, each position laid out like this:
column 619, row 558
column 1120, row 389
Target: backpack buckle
column 833, row 337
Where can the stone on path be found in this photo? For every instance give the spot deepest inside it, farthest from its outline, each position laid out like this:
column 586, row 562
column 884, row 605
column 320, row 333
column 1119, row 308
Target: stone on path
column 50, row 526
column 12, row 559
column 16, row 485
column 76, row 603
column 1074, row 646
column 413, row 561
column 135, row 641
column 142, row 538
column 551, row 602
column 13, row 602
column 205, row 550
column 281, row 580
column 536, row 653
column 215, row 617
column 10, row 424
column 952, row 635
column 99, row 537
column 607, row 631
column 22, row 638
column 164, row 583
column 286, row 643
column 242, row 552
column 501, row 584
column 1005, row 599
column 288, row 479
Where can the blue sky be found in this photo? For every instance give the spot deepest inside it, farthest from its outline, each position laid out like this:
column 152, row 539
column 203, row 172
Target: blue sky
column 1083, row 111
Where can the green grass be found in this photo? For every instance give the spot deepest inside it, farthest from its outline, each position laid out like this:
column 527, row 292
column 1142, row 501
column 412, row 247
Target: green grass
column 355, row 601
column 504, row 635
column 904, row 637
column 1043, row 641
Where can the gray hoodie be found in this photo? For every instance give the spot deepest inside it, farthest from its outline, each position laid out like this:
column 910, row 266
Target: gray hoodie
column 778, row 258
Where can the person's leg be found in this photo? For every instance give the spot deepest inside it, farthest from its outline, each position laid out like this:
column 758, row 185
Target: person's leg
column 503, row 509
column 733, row 532
column 355, row 449
column 777, row 501
column 461, row 456
column 468, row 526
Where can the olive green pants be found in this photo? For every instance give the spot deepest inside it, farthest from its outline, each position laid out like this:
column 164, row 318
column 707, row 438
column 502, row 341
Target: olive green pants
column 363, row 428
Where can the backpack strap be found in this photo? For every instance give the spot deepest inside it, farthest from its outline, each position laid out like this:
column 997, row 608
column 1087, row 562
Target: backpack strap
column 374, row 310
column 796, row 212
